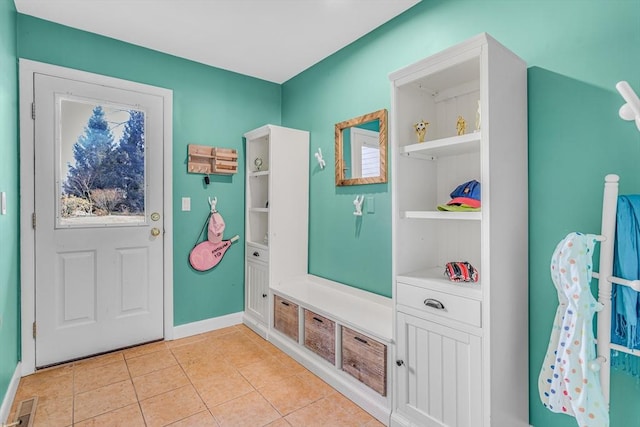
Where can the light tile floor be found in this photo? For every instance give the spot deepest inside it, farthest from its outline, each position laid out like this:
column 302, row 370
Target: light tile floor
column 229, row 377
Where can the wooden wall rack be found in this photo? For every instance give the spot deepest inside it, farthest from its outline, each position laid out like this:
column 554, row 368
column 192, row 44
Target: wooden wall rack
column 205, row 159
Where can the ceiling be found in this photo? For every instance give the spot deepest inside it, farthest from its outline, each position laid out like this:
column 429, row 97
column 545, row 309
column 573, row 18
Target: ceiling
column 273, row 40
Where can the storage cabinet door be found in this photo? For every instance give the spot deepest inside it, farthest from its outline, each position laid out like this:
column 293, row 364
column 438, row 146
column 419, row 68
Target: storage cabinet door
column 320, row 335
column 285, row 317
column 365, row 359
column 258, row 290
column 438, row 372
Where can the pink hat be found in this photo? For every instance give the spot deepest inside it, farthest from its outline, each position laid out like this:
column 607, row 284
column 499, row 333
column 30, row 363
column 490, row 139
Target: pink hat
column 216, row 228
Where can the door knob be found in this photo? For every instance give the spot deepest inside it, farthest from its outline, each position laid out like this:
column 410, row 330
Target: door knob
column 155, row 232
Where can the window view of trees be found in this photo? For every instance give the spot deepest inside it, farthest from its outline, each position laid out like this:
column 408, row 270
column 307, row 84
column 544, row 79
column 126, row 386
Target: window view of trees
column 107, row 176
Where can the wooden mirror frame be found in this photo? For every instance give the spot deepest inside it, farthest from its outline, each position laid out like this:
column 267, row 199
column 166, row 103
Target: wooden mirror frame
column 380, row 115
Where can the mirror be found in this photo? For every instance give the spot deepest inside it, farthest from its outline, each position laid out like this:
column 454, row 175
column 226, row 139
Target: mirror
column 361, row 149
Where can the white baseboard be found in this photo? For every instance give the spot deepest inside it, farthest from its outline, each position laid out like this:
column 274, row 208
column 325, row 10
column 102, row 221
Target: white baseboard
column 10, row 394
column 255, row 325
column 207, row 325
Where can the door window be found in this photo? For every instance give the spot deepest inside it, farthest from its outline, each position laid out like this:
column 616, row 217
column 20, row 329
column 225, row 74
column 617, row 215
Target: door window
column 100, row 176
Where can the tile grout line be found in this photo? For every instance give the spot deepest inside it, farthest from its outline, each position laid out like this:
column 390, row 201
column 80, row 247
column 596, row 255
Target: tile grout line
column 194, row 387
column 144, row 420
column 73, row 395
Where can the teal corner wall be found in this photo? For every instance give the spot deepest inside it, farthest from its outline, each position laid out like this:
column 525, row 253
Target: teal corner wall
column 9, row 223
column 576, row 52
column 210, row 107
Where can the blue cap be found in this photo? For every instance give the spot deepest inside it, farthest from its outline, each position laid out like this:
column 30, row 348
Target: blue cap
column 466, row 197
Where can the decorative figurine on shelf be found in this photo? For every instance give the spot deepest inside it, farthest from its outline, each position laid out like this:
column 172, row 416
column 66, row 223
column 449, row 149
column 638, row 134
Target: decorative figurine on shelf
column 258, row 163
column 461, row 125
column 421, row 129
column 478, row 118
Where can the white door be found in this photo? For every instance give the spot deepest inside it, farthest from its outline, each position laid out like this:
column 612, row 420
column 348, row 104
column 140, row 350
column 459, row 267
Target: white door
column 257, row 291
column 439, row 376
column 98, row 218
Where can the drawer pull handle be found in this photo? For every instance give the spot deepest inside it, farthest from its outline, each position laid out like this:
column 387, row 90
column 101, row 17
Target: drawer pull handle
column 434, row 303
column 256, row 254
column 284, row 303
column 317, row 319
column 361, row 340
column 264, row 295
column 399, row 362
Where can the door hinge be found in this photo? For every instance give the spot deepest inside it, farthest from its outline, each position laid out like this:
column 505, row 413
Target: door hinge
column 33, row 110
column 34, row 330
column 33, row 220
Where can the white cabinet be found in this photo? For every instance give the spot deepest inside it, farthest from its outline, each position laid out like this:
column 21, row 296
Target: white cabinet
column 439, row 379
column 257, row 289
column 277, row 212
column 462, row 348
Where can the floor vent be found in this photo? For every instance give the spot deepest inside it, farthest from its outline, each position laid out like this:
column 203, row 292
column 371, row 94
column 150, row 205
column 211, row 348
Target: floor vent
column 26, row 413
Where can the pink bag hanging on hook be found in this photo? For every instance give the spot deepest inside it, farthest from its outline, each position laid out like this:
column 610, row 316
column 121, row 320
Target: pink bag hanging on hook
column 206, row 255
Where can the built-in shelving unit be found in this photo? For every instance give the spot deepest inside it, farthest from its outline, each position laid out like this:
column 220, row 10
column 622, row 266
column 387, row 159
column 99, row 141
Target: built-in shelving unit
column 277, row 191
column 455, row 340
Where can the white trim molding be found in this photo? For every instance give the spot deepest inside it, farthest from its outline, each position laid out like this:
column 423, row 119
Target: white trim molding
column 10, row 395
column 207, row 325
column 27, row 69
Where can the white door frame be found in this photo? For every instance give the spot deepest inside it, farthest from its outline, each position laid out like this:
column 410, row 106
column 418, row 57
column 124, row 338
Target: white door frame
column 27, row 193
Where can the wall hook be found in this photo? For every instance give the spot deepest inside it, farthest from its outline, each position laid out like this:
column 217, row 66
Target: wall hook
column 357, row 202
column 630, row 110
column 318, row 156
column 213, row 202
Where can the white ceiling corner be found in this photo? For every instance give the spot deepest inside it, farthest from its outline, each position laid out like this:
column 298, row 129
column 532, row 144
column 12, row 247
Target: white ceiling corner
column 273, row 40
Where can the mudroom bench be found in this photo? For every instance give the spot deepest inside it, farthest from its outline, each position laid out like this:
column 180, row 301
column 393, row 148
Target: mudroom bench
column 340, row 333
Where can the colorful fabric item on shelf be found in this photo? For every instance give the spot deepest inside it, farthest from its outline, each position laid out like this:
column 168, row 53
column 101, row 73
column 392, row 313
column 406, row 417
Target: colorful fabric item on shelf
column 465, row 198
column 567, row 383
column 461, row 271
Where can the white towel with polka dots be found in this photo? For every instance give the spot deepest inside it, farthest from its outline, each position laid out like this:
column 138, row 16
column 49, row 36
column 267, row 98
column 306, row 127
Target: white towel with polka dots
column 567, row 384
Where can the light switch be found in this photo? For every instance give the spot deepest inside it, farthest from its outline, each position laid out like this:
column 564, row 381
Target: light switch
column 186, row 203
column 371, row 206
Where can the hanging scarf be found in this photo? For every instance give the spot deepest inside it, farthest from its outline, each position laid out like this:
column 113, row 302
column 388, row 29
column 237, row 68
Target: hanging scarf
column 626, row 265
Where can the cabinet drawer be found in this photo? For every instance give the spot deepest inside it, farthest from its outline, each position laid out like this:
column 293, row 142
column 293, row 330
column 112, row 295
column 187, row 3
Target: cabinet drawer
column 452, row 307
column 285, row 317
column 256, row 253
column 320, row 335
column 365, row 359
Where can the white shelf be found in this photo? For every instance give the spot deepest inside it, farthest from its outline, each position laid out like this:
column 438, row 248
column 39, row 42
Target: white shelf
column 262, row 210
column 442, row 215
column 258, row 173
column 434, row 278
column 452, row 146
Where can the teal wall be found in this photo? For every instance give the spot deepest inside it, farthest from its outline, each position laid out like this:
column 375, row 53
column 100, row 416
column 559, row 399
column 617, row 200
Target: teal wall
column 576, row 51
column 9, row 223
column 210, row 107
